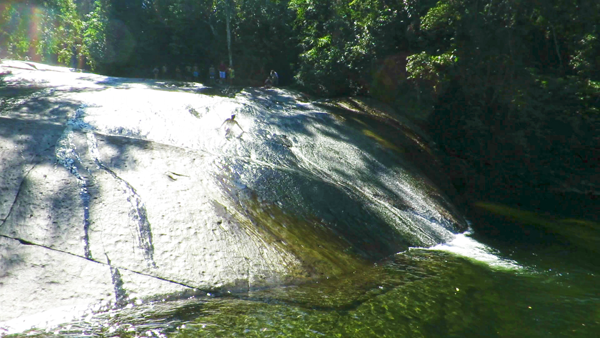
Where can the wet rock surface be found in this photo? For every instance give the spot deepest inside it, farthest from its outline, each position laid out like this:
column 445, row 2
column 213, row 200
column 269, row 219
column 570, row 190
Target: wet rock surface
column 116, row 191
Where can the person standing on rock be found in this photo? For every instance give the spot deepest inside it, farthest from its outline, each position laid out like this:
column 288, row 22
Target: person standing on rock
column 188, row 73
column 211, row 74
column 222, row 72
column 231, row 75
column 274, row 78
column 195, row 74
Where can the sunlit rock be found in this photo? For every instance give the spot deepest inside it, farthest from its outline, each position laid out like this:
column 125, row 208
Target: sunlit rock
column 134, row 189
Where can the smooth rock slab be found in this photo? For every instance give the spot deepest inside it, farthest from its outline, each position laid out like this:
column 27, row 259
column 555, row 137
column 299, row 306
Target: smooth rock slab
column 116, row 191
column 53, row 287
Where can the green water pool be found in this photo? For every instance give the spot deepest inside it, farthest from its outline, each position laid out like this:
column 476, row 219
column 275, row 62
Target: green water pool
column 417, row 294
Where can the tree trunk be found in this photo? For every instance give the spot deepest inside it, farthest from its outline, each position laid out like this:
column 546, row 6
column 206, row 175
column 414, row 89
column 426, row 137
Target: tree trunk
column 228, row 21
column 212, row 28
column 557, row 48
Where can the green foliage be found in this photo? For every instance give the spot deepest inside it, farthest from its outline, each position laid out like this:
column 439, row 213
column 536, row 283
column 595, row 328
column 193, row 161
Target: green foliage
column 14, row 26
column 40, row 31
column 511, row 82
column 423, row 66
column 263, row 40
column 343, row 43
column 68, row 32
column 95, row 35
column 503, row 76
column 445, row 14
column 133, row 36
column 586, row 57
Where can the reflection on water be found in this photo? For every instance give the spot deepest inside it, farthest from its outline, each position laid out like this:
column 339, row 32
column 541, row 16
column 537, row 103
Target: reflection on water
column 419, row 293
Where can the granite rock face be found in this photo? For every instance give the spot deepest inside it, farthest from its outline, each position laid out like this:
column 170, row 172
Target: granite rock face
column 115, row 191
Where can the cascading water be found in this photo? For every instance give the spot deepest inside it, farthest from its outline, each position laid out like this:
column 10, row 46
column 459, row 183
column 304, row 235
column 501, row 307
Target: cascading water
column 67, row 155
column 283, row 147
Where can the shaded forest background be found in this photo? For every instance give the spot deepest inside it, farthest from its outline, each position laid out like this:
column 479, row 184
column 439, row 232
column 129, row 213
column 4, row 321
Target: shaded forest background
column 509, row 89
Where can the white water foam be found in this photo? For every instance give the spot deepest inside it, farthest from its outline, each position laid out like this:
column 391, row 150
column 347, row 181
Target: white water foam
column 464, row 245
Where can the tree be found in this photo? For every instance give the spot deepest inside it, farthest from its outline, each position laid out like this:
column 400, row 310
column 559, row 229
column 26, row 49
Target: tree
column 512, row 87
column 41, row 30
column 349, row 47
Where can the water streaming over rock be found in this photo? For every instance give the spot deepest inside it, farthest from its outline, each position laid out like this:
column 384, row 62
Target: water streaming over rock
column 66, row 154
column 175, row 201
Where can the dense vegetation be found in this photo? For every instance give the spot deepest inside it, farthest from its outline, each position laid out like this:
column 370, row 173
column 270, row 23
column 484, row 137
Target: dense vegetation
column 510, row 89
